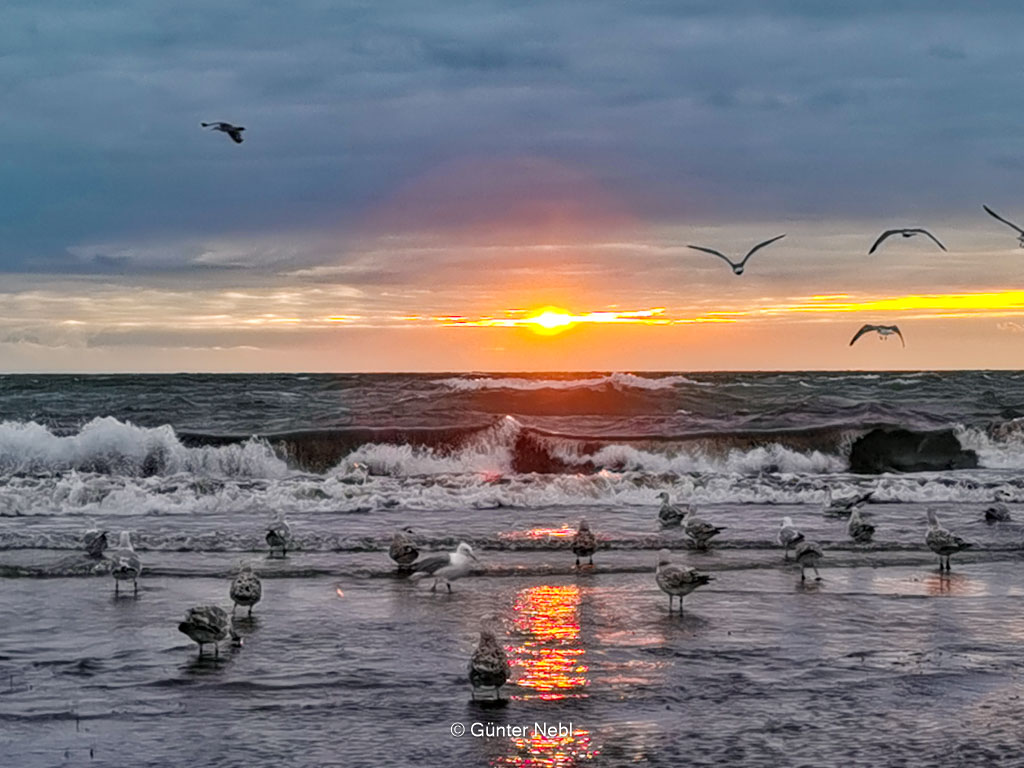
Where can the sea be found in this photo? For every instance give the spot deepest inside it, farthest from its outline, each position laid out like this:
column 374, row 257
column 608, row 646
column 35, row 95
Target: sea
column 346, row 661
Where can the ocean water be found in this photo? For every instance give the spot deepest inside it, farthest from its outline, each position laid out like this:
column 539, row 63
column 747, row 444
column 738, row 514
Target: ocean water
column 883, row 662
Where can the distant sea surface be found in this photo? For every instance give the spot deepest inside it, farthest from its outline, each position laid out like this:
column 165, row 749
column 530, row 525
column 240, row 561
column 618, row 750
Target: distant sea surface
column 345, row 663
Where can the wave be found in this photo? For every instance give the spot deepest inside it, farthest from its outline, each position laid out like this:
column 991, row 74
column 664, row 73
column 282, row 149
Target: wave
column 615, row 380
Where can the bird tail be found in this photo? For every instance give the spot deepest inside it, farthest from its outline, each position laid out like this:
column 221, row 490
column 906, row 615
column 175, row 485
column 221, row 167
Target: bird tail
column 417, row 575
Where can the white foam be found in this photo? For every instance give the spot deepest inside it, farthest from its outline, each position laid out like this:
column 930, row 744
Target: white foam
column 123, row 448
column 616, row 380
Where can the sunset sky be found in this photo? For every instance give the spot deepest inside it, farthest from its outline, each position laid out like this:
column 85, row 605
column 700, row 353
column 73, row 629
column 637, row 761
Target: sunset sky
column 418, row 180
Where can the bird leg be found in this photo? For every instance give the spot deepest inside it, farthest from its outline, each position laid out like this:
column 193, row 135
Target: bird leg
column 200, row 649
column 449, row 585
column 591, row 559
column 233, row 606
column 216, row 650
column 250, row 610
column 117, row 584
column 803, row 576
column 577, row 561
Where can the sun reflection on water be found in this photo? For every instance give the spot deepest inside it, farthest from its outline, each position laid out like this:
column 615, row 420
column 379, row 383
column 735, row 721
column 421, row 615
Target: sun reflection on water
column 551, row 660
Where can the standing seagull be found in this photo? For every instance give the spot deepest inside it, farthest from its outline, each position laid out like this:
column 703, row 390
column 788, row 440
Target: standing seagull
column 844, row 506
column 998, row 512
column 671, row 515
column 788, row 536
column 445, row 567
column 584, row 544
column 906, row 233
column 1020, row 235
column 488, row 666
column 402, row 550
column 859, row 531
column 737, row 268
column 941, row 541
column 246, row 589
column 279, row 535
column 882, row 330
column 699, row 530
column 125, row 564
column 208, row 624
column 234, row 131
column 95, row 541
column 676, row 580
column 808, row 555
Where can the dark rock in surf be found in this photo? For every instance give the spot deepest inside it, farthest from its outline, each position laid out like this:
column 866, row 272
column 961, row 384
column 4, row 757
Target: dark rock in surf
column 903, row 450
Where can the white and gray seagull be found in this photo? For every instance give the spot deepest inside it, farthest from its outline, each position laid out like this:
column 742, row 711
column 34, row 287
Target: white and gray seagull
column 402, row 550
column 859, row 531
column 677, row 580
column 1020, row 232
column 671, row 515
column 909, row 232
column 95, row 541
column 234, row 131
column 125, row 564
column 279, row 534
column 789, row 536
column 209, row 624
column 844, row 506
column 737, row 268
column 808, row 555
column 488, row 666
column 883, row 331
column 445, row 567
column 246, row 589
column 942, row 541
column 998, row 512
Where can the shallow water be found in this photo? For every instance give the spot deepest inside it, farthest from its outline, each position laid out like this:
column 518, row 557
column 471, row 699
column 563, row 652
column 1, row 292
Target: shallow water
column 883, row 662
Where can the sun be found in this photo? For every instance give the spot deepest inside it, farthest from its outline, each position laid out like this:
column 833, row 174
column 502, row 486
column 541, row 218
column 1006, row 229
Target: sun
column 549, row 321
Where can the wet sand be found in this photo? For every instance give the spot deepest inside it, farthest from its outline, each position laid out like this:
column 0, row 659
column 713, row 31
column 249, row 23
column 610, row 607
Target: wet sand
column 886, row 665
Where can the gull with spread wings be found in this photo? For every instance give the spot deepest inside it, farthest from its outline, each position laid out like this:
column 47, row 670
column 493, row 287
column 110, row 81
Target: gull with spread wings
column 234, row 131
column 882, row 330
column 1020, row 232
column 737, row 268
column 906, row 233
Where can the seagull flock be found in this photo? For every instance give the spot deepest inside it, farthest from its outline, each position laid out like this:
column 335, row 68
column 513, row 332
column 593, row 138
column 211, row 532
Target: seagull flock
column 883, row 331
column 489, row 665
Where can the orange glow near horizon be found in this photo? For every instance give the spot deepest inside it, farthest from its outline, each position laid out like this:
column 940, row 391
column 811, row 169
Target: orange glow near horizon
column 553, row 320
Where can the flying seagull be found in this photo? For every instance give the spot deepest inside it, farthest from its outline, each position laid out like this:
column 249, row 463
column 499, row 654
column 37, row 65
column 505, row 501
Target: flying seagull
column 881, row 330
column 737, row 268
column 234, row 131
column 942, row 541
column 676, row 580
column 1020, row 232
column 445, row 567
column 488, row 667
column 906, row 233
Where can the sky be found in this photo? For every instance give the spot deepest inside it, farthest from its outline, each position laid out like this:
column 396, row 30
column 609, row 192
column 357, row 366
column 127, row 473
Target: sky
column 420, row 182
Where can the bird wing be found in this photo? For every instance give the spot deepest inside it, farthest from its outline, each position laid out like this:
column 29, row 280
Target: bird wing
column 882, row 237
column 864, row 329
column 933, row 237
column 236, row 135
column 432, row 564
column 713, row 252
column 995, row 215
column 759, row 246
column 896, row 330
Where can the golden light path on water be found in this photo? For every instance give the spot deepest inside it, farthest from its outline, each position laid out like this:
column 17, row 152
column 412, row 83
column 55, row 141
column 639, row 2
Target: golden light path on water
column 552, row 667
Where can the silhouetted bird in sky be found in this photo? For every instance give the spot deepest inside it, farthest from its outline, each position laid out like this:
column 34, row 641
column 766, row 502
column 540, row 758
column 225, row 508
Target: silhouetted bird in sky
column 737, row 268
column 234, row 131
column 905, row 233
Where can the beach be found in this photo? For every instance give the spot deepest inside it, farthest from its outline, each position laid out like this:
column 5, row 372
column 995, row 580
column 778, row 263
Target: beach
column 885, row 661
